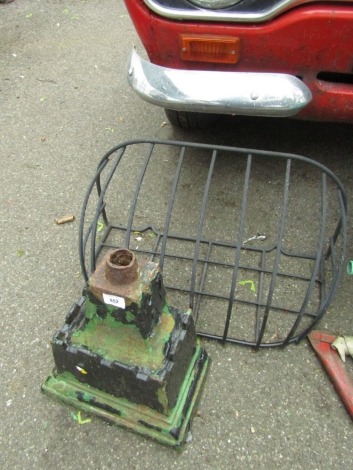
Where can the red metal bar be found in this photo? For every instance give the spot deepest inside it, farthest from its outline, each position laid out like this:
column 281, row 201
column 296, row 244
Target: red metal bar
column 343, row 383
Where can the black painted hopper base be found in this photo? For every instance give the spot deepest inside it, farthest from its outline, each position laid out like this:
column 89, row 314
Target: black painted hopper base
column 171, row 429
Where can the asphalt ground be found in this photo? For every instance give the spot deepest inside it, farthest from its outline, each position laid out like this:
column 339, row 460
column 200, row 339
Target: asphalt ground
column 64, row 102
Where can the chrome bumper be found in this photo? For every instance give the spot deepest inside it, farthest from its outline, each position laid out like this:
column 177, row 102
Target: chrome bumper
column 243, row 93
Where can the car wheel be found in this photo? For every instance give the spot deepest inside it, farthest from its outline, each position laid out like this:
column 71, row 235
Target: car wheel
column 191, row 121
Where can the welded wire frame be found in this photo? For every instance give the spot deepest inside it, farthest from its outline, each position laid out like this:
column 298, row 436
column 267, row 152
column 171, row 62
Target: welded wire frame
column 193, row 208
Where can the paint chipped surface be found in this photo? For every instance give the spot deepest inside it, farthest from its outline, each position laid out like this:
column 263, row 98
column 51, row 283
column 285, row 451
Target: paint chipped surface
column 117, row 341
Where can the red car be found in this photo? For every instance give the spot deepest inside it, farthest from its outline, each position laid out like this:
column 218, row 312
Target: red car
column 245, row 57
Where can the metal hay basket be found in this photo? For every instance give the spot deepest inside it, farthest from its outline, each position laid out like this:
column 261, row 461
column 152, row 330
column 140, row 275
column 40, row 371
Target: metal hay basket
column 237, row 238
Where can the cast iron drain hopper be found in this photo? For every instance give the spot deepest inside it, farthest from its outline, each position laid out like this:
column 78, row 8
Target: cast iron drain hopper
column 126, row 355
column 246, row 257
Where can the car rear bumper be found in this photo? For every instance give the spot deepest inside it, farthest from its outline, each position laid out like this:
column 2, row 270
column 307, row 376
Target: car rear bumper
column 243, row 93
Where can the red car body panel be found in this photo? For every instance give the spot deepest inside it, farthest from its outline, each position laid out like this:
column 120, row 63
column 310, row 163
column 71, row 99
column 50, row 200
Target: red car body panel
column 306, row 41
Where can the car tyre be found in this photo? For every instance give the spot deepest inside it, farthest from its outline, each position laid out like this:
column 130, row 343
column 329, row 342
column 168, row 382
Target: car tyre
column 191, row 121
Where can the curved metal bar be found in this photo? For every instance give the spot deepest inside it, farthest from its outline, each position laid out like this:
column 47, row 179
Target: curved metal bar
column 238, row 247
column 200, row 226
column 92, row 231
column 100, row 205
column 278, row 253
column 316, row 268
column 259, row 297
column 337, row 268
column 225, row 148
column 136, row 194
column 94, row 182
column 170, row 207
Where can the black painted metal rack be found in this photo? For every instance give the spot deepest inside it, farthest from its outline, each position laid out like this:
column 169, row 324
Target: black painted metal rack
column 237, row 238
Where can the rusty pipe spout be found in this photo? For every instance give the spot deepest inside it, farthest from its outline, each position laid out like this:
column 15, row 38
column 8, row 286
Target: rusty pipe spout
column 121, row 267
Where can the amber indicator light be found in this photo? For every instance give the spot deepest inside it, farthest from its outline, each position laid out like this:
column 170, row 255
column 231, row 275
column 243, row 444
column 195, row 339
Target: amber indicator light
column 222, row 49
